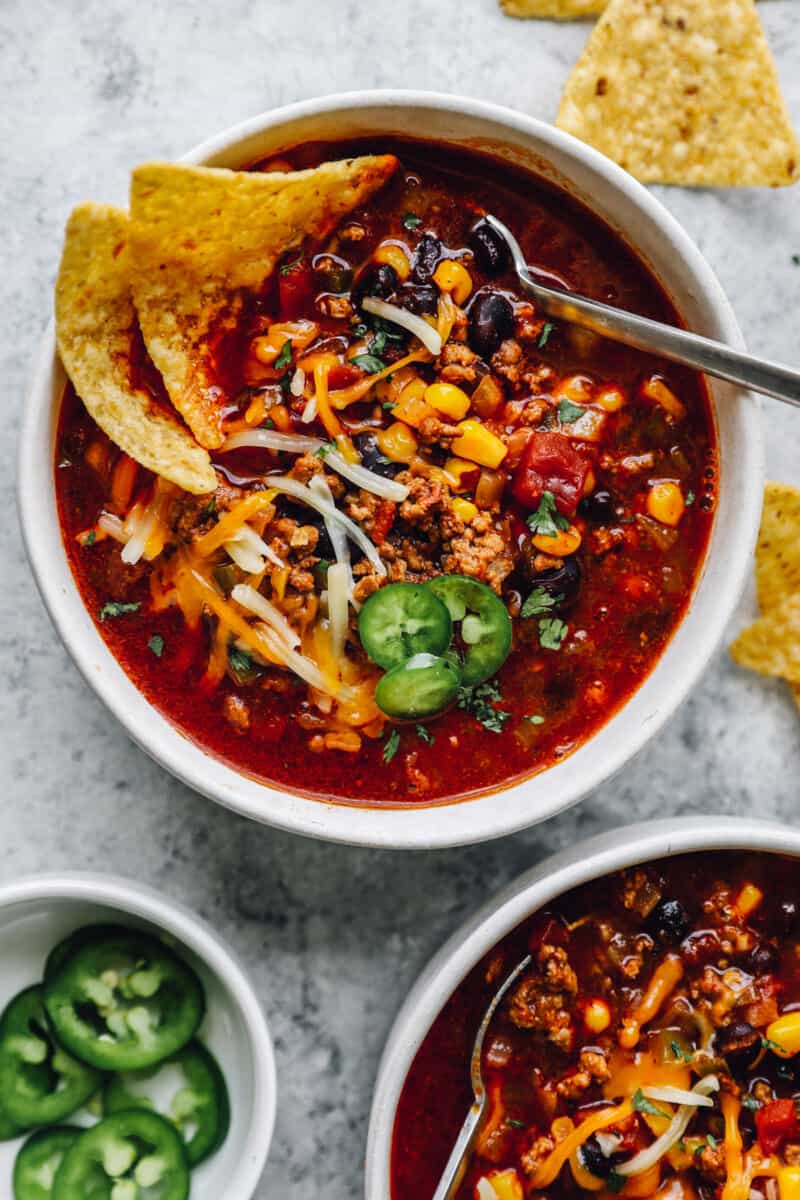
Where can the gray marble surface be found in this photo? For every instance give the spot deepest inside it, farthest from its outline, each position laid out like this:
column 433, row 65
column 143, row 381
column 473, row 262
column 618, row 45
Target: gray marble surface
column 333, row 936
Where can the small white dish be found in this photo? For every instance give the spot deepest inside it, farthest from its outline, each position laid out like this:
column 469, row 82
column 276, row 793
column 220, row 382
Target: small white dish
column 37, row 912
column 642, row 222
column 589, row 859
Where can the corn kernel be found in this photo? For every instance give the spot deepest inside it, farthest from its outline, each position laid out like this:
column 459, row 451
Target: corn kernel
column 785, row 1034
column 748, row 899
column 597, row 1017
column 611, row 399
column 505, row 1185
column 479, row 444
column 789, row 1183
column 448, row 399
column 397, row 442
column 561, row 545
column 280, row 418
column 465, row 510
column 576, row 388
column 456, row 469
column 415, row 389
column 665, row 502
column 655, row 389
column 394, row 256
column 412, row 408
column 451, row 276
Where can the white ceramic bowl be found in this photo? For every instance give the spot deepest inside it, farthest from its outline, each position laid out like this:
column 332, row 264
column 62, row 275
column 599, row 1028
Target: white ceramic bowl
column 633, row 212
column 589, row 859
column 36, row 913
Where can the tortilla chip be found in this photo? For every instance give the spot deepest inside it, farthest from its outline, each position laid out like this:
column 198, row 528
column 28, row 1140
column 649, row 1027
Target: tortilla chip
column 95, row 320
column 562, row 10
column 201, row 236
column 684, row 92
column 778, row 548
column 771, row 645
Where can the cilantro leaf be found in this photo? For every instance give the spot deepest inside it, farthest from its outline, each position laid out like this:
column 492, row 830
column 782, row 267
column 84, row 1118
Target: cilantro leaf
column 425, row 734
column 540, row 601
column 480, row 701
column 285, row 356
column 286, row 267
column 156, row 644
column 117, row 608
column 615, row 1182
column 515, row 1124
column 568, row 412
column 411, row 221
column 392, row 746
column 552, row 631
column 690, row 499
column 712, row 1141
column 643, row 1105
column 90, row 538
column 240, row 660
column 369, row 363
column 547, row 520
column 679, row 1052
column 267, row 423
column 544, row 336
column 770, row 1045
column 535, row 719
column 209, row 509
column 751, row 1103
column 325, row 450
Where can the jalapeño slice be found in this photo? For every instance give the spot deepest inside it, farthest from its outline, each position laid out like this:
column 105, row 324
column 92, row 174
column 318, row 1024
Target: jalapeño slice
column 125, row 1002
column 485, row 624
column 129, row 1155
column 39, row 1159
column 199, row 1109
column 401, row 620
column 422, row 686
column 63, row 952
column 40, row 1083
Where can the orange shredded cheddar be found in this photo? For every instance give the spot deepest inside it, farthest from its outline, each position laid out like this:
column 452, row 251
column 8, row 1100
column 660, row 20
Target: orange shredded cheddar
column 665, row 978
column 737, row 1186
column 333, row 426
column 226, row 527
column 549, row 1169
column 357, row 391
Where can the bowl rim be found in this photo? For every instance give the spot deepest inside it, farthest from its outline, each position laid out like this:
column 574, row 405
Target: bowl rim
column 476, row 819
column 175, row 918
column 586, row 860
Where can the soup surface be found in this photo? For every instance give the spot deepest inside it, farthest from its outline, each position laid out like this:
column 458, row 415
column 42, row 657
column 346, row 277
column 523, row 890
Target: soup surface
column 571, row 480
column 652, row 1047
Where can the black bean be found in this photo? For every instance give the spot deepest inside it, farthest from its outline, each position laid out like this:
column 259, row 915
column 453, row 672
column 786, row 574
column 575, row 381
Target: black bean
column 372, row 458
column 599, row 507
column 419, row 297
column 309, row 516
column 489, row 248
column 668, row 921
column 563, row 581
column 593, row 1158
column 491, row 321
column 762, row 959
column 740, row 1044
column 377, row 279
column 429, row 251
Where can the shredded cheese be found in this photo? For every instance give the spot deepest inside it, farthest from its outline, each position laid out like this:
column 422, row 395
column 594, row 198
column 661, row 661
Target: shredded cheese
column 663, row 981
column 227, row 525
column 737, row 1186
column 549, row 1169
column 357, row 391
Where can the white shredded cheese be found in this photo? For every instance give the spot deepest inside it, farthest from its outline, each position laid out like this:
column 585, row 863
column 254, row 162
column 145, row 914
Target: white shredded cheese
column 338, row 607
column 255, row 603
column 647, row 1158
column 430, row 337
column 292, row 487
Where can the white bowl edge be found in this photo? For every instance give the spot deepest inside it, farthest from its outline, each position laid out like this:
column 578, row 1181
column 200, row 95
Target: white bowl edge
column 589, row 859
column 620, row 200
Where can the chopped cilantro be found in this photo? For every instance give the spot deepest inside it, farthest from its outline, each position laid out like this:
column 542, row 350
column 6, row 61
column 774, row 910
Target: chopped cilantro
column 392, row 746
column 209, row 509
column 547, row 520
column 568, row 412
column 378, row 343
column 425, row 734
column 285, row 356
column 90, row 538
column 679, row 1052
column 751, row 1103
column 544, row 336
column 774, row 1046
column 360, row 330
column 712, row 1141
column 325, row 450
column 480, row 701
column 690, row 499
column 515, row 1124
column 535, row 719
column 552, row 631
column 286, row 267
column 285, row 381
column 411, row 221
column 240, row 660
column 539, row 601
column 387, row 406
column 267, row 423
column 156, row 644
column 116, row 608
column 643, row 1105
column 369, row 363
column 389, row 331
column 615, row 1182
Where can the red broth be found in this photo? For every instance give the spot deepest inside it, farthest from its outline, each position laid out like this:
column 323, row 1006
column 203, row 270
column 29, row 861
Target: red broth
column 631, row 598
column 614, row 951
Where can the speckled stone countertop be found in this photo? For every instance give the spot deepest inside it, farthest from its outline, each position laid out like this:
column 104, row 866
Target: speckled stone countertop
column 333, row 936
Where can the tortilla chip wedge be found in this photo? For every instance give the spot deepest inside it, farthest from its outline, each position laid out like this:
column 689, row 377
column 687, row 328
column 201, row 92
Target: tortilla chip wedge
column 202, row 235
column 561, row 10
column 95, row 319
column 771, row 645
column 778, row 548
column 683, row 92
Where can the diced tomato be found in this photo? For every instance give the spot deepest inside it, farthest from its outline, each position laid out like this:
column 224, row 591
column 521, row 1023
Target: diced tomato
column 777, row 1122
column 550, row 463
column 384, row 519
column 295, row 289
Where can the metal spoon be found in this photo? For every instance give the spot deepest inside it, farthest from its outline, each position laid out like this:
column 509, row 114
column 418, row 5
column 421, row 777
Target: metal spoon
column 456, row 1163
column 704, row 354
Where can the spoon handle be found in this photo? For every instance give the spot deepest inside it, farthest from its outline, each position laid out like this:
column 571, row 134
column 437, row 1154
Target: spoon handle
column 704, row 354
column 456, row 1163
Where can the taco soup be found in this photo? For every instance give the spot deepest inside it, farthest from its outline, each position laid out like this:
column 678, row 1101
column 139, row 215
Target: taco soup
column 350, row 513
